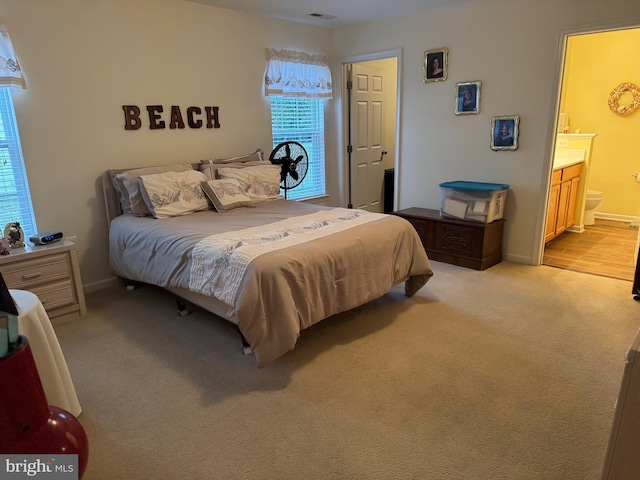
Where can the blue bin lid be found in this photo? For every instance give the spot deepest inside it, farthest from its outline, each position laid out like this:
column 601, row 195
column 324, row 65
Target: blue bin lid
column 478, row 186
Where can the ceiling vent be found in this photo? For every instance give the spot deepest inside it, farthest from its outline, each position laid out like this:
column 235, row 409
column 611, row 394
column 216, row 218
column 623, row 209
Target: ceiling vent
column 323, row 16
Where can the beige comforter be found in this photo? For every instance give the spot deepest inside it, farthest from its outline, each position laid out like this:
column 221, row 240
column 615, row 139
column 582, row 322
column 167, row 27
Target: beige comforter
column 284, row 290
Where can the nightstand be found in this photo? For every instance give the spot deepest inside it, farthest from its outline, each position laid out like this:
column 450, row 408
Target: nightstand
column 51, row 271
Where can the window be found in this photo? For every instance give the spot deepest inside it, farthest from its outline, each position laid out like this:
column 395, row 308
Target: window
column 302, row 120
column 297, row 84
column 15, row 199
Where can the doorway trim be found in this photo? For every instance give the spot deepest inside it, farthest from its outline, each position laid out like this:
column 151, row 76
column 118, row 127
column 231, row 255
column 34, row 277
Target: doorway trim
column 554, row 113
column 343, row 140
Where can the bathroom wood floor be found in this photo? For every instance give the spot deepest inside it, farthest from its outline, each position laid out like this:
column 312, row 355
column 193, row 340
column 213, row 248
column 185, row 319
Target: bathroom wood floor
column 606, row 248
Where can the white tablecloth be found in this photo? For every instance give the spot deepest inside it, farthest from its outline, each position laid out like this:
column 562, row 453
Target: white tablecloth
column 34, row 323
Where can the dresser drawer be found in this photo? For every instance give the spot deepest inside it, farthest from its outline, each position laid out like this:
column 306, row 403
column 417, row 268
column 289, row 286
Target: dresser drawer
column 25, row 274
column 55, row 295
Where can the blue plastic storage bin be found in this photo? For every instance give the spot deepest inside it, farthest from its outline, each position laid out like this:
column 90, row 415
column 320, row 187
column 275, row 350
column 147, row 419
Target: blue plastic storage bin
column 475, row 201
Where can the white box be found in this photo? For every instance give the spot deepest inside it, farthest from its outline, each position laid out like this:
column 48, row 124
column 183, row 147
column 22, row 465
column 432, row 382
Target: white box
column 474, row 201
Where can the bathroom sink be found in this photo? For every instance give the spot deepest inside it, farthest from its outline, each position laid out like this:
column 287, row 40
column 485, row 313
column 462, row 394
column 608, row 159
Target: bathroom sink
column 566, row 158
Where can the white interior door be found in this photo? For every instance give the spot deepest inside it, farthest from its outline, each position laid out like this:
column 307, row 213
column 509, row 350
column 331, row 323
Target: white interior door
column 367, row 107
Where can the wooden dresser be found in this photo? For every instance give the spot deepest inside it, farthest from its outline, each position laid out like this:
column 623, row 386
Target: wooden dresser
column 459, row 242
column 51, row 271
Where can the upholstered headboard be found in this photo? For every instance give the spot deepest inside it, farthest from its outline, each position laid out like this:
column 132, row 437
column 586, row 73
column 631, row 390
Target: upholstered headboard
column 111, row 190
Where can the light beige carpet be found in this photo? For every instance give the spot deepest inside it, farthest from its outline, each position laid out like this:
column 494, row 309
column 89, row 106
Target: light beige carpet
column 511, row 373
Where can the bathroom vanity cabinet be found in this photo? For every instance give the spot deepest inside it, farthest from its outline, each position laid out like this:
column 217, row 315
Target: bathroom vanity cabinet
column 561, row 214
column 571, row 149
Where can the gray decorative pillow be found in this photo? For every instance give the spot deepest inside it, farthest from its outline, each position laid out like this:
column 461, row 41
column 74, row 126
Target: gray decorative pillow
column 122, row 196
column 258, row 155
column 226, row 194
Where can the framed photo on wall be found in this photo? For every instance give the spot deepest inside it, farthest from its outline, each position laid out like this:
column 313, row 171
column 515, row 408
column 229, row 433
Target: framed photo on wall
column 504, row 132
column 468, row 98
column 435, row 65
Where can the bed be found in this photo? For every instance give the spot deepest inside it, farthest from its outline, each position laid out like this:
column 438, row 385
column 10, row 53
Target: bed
column 270, row 266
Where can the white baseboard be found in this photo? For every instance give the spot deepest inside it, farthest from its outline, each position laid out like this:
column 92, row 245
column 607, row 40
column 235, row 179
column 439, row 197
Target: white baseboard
column 616, row 217
column 101, row 285
column 522, row 259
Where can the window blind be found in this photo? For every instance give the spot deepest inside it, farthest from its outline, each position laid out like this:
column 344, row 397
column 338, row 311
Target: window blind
column 15, row 197
column 302, row 120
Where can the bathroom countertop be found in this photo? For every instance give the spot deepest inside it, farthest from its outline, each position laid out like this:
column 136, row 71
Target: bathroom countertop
column 558, row 164
column 565, row 158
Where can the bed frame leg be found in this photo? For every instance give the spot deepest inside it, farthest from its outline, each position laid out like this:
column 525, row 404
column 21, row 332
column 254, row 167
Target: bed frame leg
column 131, row 285
column 246, row 348
column 183, row 311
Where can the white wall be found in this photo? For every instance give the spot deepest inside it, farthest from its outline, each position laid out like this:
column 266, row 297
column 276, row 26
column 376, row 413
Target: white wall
column 512, row 47
column 84, row 59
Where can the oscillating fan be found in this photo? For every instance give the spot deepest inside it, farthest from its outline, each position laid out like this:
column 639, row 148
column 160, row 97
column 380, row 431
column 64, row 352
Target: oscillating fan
column 294, row 162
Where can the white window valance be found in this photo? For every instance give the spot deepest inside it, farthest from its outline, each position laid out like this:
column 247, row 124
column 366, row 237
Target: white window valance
column 10, row 73
column 297, row 74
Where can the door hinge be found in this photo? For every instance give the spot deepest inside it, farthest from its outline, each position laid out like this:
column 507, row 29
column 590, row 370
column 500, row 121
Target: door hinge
column 349, row 149
column 349, row 85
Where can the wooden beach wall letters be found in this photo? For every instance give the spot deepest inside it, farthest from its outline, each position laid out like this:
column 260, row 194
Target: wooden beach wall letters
column 195, row 117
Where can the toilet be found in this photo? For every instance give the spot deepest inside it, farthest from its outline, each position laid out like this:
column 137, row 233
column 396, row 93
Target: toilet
column 594, row 197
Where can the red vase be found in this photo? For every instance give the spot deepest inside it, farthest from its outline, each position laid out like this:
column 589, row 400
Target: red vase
column 28, row 424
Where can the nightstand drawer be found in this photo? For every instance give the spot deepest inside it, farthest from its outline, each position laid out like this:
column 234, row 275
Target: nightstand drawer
column 34, row 271
column 51, row 271
column 55, row 295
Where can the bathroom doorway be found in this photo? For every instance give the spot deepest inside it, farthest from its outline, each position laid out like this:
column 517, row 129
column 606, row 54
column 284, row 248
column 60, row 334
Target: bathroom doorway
column 585, row 95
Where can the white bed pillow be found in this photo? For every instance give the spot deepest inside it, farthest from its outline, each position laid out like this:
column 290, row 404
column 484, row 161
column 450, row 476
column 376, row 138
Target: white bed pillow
column 211, row 169
column 128, row 182
column 260, row 183
column 172, row 194
column 226, row 194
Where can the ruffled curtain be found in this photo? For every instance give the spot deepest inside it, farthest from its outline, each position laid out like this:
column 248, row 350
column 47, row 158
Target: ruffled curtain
column 297, row 74
column 10, row 73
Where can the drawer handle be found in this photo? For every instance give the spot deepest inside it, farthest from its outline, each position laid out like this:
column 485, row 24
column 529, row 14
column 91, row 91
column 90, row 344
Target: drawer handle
column 31, row 276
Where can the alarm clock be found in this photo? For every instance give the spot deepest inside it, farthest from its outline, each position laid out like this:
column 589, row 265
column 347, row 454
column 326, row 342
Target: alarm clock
column 45, row 238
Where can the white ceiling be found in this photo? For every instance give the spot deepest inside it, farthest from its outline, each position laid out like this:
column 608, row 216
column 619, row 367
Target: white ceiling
column 346, row 12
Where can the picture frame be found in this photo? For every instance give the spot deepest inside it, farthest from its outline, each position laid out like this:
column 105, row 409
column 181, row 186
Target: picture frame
column 504, row 132
column 435, row 65
column 468, row 98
